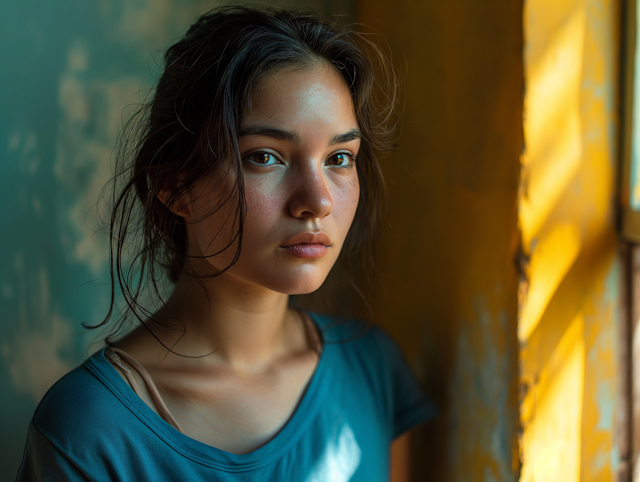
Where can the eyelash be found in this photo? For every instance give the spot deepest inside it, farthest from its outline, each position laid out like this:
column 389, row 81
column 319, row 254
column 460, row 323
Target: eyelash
column 352, row 159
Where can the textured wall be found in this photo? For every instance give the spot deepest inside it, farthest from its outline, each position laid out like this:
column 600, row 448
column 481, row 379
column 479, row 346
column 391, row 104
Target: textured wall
column 69, row 68
column 569, row 326
column 448, row 282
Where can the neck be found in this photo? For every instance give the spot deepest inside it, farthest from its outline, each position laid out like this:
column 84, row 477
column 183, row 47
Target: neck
column 246, row 327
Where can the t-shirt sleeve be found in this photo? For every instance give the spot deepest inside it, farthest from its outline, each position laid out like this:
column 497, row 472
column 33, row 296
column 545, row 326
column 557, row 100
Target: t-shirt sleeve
column 42, row 461
column 409, row 405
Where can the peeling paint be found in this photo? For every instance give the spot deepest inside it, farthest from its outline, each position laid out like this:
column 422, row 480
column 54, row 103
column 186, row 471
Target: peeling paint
column 477, row 387
column 34, row 357
column 454, row 184
column 589, row 289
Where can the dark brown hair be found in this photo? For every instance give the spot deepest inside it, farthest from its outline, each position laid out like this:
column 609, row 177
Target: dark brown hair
column 189, row 129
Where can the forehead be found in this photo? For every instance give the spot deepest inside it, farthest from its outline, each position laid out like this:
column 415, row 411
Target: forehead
column 310, row 97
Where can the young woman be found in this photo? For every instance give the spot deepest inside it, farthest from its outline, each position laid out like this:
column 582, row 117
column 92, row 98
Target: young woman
column 249, row 171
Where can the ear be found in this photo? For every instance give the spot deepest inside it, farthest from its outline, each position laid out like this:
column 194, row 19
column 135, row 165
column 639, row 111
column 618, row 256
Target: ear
column 180, row 206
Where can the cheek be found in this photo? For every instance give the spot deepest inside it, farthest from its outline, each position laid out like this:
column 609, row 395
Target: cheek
column 345, row 204
column 213, row 230
column 349, row 199
column 266, row 204
column 263, row 203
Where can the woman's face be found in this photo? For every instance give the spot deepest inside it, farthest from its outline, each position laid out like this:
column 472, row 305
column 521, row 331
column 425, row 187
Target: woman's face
column 298, row 144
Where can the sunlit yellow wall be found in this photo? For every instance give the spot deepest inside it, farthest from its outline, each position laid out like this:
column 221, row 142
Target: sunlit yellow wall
column 568, row 318
column 448, row 281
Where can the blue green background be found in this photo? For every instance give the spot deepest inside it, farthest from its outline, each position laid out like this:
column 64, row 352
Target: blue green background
column 69, row 70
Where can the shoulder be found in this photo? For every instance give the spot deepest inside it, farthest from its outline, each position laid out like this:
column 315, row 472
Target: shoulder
column 365, row 350
column 82, row 424
column 76, row 405
column 78, row 388
column 361, row 338
column 370, row 353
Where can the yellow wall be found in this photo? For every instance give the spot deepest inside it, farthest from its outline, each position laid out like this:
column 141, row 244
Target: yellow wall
column 447, row 285
column 568, row 320
column 469, row 203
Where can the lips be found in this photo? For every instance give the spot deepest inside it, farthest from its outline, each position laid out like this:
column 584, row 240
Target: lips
column 308, row 238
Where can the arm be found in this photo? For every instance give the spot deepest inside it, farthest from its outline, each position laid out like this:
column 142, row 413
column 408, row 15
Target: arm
column 400, row 458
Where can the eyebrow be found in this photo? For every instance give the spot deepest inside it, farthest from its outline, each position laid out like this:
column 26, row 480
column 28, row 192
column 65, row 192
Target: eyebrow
column 352, row 135
column 294, row 137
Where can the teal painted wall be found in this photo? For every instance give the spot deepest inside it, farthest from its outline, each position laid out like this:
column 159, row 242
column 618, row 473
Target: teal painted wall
column 69, row 68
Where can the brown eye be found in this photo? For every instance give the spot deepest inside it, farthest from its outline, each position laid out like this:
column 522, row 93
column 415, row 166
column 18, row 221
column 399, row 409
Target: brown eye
column 342, row 159
column 262, row 158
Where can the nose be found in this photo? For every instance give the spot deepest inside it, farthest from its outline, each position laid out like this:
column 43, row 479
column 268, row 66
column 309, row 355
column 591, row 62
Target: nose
column 311, row 194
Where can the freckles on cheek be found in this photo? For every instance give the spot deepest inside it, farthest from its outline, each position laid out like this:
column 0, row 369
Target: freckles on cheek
column 353, row 196
column 262, row 203
column 346, row 204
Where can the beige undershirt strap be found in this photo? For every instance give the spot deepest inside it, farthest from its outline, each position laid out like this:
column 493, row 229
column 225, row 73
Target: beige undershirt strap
column 114, row 354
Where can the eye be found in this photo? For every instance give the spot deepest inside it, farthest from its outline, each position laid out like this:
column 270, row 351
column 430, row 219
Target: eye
column 261, row 158
column 343, row 159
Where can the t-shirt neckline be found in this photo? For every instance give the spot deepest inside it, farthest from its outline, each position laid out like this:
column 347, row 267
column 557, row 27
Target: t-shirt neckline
column 208, row 455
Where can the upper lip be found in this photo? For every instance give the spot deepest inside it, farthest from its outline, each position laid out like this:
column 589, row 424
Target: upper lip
column 308, row 238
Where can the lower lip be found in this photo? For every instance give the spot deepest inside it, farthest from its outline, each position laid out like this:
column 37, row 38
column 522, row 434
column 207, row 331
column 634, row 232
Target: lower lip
column 306, row 250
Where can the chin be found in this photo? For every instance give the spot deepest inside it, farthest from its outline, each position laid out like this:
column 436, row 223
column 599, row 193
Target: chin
column 302, row 288
column 281, row 277
column 296, row 284
column 304, row 291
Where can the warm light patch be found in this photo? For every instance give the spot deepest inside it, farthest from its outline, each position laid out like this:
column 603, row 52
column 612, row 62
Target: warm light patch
column 551, row 259
column 552, row 124
column 552, row 437
column 566, row 212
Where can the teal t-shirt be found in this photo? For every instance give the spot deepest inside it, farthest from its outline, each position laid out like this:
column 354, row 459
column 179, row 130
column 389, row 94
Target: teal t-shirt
column 92, row 426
